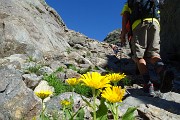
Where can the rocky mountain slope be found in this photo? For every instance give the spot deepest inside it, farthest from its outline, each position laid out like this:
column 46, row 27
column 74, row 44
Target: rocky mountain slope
column 35, row 42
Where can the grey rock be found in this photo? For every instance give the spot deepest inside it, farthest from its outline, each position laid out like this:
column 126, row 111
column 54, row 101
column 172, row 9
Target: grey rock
column 113, row 37
column 37, row 28
column 78, row 46
column 54, row 106
column 16, row 100
column 45, row 70
column 31, row 80
column 71, row 74
column 57, row 64
column 168, row 105
column 151, row 112
column 61, row 75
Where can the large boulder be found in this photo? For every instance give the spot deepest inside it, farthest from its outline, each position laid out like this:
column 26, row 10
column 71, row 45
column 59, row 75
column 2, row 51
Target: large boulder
column 16, row 100
column 30, row 26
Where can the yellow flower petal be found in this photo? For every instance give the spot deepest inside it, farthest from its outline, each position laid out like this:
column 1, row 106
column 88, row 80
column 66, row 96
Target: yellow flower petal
column 115, row 77
column 65, row 102
column 95, row 80
column 73, row 81
column 43, row 93
column 113, row 94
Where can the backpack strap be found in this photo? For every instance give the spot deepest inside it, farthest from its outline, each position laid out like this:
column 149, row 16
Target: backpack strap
column 152, row 6
column 141, row 9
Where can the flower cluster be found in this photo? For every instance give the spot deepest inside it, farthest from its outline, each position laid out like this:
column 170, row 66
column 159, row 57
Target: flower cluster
column 100, row 86
column 112, row 94
column 97, row 82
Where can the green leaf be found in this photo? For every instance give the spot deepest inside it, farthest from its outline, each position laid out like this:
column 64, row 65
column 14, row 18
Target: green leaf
column 71, row 66
column 44, row 117
column 96, row 68
column 80, row 114
column 129, row 115
column 83, row 90
column 101, row 113
column 68, row 113
column 59, row 69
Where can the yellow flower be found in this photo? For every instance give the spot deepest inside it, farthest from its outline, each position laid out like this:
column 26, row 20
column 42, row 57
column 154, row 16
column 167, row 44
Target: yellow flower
column 43, row 94
column 115, row 77
column 95, row 80
column 34, row 118
column 113, row 94
column 72, row 81
column 65, row 102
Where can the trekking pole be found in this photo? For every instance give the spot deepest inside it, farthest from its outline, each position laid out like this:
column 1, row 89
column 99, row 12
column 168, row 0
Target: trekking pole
column 128, row 92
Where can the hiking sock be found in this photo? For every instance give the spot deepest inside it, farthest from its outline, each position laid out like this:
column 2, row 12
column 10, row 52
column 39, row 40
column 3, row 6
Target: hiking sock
column 151, row 90
column 148, row 86
column 146, row 78
column 159, row 66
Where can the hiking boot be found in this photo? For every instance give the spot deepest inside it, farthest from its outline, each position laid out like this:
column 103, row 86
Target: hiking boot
column 149, row 88
column 156, row 85
column 166, row 78
column 146, row 88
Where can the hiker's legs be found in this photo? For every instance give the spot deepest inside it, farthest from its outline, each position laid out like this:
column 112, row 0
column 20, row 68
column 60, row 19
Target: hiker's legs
column 158, row 63
column 153, row 43
column 166, row 76
column 141, row 64
column 142, row 67
column 153, row 40
column 139, row 46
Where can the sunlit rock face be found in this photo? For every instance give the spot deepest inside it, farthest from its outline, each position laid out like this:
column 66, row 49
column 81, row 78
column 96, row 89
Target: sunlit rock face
column 30, row 26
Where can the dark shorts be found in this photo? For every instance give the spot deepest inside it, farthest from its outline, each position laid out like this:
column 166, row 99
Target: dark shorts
column 145, row 42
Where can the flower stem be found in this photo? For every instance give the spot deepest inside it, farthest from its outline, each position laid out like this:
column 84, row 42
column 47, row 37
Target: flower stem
column 64, row 116
column 115, row 83
column 72, row 100
column 42, row 112
column 72, row 92
column 115, row 111
column 94, row 104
